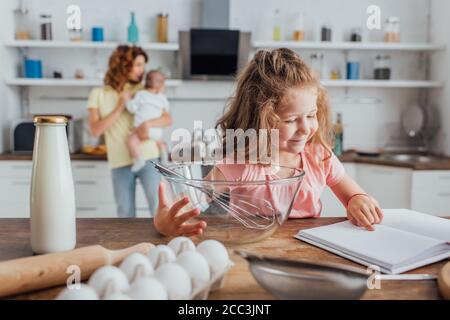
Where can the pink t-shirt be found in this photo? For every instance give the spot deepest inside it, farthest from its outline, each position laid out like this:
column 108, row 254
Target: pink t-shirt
column 318, row 175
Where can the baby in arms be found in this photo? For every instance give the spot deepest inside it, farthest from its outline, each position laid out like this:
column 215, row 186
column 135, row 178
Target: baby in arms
column 146, row 105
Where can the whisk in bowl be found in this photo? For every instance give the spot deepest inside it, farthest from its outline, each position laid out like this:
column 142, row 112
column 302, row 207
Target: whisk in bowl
column 246, row 209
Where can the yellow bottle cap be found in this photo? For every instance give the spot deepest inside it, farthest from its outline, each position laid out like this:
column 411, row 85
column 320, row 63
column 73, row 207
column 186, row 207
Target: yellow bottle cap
column 50, row 119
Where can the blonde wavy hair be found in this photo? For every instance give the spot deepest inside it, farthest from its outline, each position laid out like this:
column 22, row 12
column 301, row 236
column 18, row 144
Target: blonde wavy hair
column 120, row 65
column 261, row 88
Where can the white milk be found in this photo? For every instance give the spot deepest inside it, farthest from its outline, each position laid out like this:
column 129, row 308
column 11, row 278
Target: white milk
column 52, row 197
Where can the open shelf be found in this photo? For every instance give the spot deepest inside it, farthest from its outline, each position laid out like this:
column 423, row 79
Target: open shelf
column 382, row 83
column 70, row 82
column 177, row 82
column 87, row 45
column 256, row 44
column 382, row 46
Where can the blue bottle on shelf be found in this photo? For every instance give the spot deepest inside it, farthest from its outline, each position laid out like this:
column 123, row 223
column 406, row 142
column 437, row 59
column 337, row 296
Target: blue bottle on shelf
column 32, row 69
column 338, row 136
column 133, row 32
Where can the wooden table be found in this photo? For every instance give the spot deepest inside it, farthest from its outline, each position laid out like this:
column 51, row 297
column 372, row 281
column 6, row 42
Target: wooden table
column 120, row 233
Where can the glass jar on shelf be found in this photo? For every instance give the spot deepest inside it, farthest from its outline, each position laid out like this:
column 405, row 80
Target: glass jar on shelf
column 162, row 27
column 298, row 34
column 317, row 64
column 79, row 74
column 46, row 26
column 276, row 31
column 392, row 30
column 382, row 67
column 356, row 34
column 76, row 35
column 326, row 32
column 21, row 22
column 335, row 74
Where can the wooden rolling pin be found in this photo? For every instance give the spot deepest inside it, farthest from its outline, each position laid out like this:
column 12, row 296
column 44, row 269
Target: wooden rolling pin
column 49, row 270
column 444, row 281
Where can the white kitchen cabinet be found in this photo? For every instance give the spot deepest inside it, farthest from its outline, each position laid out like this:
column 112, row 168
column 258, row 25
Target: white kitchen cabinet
column 14, row 190
column 331, row 206
column 14, row 210
column 92, row 181
column 391, row 186
column 15, row 169
column 90, row 210
column 15, row 178
column 91, row 169
column 93, row 190
column 94, row 193
column 431, row 192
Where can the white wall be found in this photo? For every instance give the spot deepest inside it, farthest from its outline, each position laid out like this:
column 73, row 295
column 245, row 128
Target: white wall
column 440, row 99
column 9, row 97
column 341, row 15
column 367, row 125
column 185, row 104
column 114, row 16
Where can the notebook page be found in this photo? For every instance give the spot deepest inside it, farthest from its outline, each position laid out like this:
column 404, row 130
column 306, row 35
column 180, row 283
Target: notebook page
column 416, row 222
column 392, row 270
column 385, row 246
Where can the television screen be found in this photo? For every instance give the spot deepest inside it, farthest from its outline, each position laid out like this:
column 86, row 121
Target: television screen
column 214, row 52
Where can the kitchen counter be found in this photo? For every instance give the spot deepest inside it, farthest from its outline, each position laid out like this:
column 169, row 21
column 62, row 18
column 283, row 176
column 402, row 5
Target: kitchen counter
column 75, row 156
column 353, row 157
column 239, row 284
column 347, row 157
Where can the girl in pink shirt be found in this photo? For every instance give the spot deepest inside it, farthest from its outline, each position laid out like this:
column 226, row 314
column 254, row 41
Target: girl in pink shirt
column 277, row 90
column 318, row 175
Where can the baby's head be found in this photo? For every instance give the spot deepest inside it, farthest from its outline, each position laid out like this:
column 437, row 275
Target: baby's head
column 277, row 90
column 155, row 80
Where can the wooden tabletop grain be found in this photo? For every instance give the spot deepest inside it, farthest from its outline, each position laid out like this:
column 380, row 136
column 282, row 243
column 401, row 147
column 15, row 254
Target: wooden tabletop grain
column 120, row 233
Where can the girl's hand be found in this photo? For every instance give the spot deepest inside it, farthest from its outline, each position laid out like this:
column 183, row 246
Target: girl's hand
column 364, row 211
column 171, row 222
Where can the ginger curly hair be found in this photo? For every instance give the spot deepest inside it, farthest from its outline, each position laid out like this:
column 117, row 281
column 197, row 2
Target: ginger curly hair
column 120, row 65
column 261, row 87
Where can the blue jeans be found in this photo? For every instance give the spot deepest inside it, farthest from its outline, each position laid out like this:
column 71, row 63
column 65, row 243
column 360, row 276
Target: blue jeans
column 124, row 183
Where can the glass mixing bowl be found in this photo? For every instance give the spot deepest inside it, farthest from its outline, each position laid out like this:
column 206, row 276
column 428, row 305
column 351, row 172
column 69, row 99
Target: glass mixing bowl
column 241, row 203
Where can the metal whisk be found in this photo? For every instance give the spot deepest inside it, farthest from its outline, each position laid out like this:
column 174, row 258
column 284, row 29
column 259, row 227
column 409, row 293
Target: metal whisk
column 241, row 207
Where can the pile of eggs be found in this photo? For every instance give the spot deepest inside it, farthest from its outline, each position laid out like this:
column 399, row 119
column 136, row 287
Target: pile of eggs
column 176, row 271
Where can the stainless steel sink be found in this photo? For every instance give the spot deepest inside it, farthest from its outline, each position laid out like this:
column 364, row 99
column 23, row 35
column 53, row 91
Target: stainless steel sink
column 405, row 157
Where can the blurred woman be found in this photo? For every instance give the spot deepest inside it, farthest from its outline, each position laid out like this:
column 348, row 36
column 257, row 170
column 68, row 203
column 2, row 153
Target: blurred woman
column 108, row 116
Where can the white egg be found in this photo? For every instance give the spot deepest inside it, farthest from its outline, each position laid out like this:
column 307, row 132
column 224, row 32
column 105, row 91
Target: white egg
column 107, row 280
column 117, row 296
column 147, row 289
column 136, row 265
column 181, row 244
column 216, row 255
column 196, row 266
column 161, row 254
column 83, row 293
column 175, row 279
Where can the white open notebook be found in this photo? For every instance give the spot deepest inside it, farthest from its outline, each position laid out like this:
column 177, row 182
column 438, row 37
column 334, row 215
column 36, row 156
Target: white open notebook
column 404, row 240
